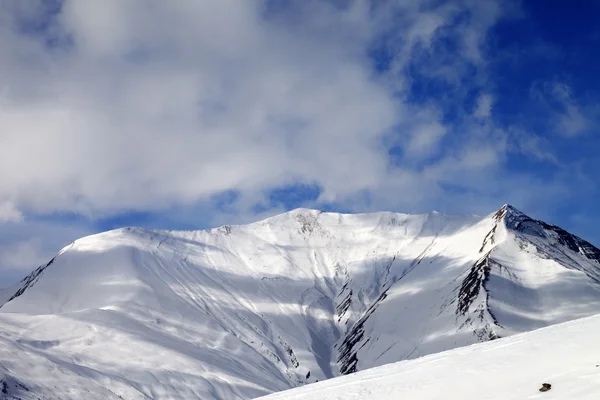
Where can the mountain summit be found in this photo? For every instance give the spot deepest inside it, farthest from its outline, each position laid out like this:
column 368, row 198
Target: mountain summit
column 242, row 311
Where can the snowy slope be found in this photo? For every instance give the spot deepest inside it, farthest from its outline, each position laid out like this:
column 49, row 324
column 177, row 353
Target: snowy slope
column 511, row 368
column 241, row 311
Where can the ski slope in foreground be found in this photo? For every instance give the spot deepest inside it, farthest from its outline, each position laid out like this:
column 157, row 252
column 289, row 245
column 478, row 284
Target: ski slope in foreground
column 566, row 355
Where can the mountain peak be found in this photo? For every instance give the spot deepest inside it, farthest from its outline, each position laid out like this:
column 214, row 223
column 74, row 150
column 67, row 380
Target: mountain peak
column 520, row 223
column 516, row 220
column 509, row 209
column 511, row 216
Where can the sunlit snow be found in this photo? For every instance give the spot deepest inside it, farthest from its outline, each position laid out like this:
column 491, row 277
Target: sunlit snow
column 239, row 312
column 565, row 356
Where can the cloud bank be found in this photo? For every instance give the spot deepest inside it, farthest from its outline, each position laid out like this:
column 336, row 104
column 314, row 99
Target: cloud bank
column 129, row 105
column 116, row 105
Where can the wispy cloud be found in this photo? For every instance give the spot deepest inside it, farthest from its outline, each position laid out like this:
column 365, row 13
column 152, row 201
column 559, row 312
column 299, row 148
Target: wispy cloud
column 484, row 106
column 571, row 118
column 572, row 122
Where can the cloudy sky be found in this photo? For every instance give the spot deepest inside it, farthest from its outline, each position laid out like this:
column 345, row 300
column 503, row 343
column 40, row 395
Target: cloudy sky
column 188, row 114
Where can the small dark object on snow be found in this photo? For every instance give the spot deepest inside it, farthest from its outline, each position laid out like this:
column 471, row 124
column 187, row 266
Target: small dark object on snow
column 545, row 387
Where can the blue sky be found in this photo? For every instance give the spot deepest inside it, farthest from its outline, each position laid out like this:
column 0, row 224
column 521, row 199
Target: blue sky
column 188, row 115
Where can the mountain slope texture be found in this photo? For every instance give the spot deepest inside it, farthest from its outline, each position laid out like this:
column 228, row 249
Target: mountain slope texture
column 239, row 312
column 513, row 368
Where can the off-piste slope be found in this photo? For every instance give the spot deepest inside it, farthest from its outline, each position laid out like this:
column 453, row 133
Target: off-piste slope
column 513, row 368
column 242, row 311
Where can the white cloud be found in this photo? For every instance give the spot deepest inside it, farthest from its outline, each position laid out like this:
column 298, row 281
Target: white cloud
column 159, row 105
column 484, row 105
column 571, row 118
column 531, row 145
column 572, row 122
column 425, row 138
column 8, row 213
column 151, row 104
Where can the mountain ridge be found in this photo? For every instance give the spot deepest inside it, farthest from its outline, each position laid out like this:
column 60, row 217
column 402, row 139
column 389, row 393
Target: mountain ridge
column 299, row 297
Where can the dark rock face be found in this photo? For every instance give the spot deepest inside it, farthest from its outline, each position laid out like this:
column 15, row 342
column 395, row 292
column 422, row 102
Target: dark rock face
column 12, row 388
column 479, row 274
column 530, row 229
column 573, row 242
column 519, row 222
column 347, row 352
column 473, row 284
column 354, row 339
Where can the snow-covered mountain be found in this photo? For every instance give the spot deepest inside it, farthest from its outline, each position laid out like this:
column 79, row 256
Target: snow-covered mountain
column 513, row 368
column 242, row 311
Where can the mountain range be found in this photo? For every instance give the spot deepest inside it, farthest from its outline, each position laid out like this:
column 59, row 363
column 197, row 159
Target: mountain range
column 238, row 312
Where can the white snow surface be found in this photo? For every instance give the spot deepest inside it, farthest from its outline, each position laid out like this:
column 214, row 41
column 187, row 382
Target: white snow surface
column 513, row 368
column 239, row 312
